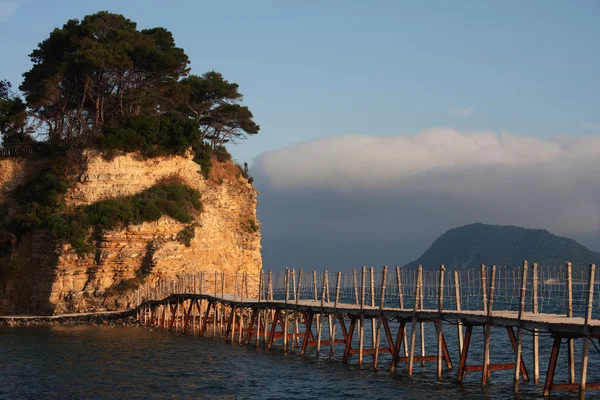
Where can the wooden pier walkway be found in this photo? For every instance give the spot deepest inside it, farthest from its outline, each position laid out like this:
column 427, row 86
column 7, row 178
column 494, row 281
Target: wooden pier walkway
column 317, row 318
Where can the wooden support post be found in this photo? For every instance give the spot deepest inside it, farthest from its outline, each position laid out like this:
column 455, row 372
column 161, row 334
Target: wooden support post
column 571, row 341
column 396, row 354
column 586, row 340
column 464, row 353
column 250, row 328
column 329, row 316
column 335, row 305
column 296, row 300
column 440, row 335
column 536, row 349
column 167, row 315
column 241, row 324
column 520, row 329
column 552, row 365
column 266, row 313
column 487, row 331
column 259, row 313
column 361, row 330
column 320, row 317
column 458, row 308
column 205, row 321
column 230, row 332
column 422, row 324
column 380, row 317
column 273, row 328
column 286, row 284
column 372, row 289
column 401, row 304
column 413, row 333
column 348, row 337
column 307, row 333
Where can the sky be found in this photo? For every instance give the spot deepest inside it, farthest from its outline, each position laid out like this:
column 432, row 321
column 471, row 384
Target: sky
column 386, row 123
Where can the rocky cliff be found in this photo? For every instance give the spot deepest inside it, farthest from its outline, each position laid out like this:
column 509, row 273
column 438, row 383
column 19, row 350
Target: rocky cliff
column 49, row 277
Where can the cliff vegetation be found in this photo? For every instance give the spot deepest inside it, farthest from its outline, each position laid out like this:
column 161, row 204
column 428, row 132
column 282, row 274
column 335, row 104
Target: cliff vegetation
column 102, row 88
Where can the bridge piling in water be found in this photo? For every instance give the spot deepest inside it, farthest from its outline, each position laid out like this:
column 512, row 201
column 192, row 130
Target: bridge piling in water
column 249, row 308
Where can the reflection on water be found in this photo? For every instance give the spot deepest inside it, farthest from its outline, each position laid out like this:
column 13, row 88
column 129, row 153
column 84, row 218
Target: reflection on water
column 104, row 362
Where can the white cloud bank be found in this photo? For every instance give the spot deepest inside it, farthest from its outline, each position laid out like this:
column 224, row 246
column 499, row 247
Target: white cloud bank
column 441, row 178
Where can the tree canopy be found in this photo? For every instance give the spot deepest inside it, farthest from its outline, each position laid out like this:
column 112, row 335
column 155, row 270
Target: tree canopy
column 13, row 116
column 100, row 75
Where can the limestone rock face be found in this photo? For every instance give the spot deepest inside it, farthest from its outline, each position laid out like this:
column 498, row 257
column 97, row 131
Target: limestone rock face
column 14, row 171
column 57, row 280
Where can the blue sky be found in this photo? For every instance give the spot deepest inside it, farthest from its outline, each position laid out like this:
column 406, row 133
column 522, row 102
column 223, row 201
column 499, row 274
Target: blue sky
column 311, row 69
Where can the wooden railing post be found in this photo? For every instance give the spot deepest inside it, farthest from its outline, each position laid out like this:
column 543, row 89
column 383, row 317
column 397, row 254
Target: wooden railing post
column 361, row 330
column 399, row 283
column 483, row 287
column 570, row 341
column 284, row 312
column 355, row 286
column 488, row 329
column 440, row 335
column 261, row 278
column 381, row 304
column 333, row 320
column 413, row 333
column 520, row 329
column 458, row 308
column 296, row 300
column 315, row 285
column 286, row 280
column 536, row 354
column 320, row 319
column 235, row 288
column 586, row 339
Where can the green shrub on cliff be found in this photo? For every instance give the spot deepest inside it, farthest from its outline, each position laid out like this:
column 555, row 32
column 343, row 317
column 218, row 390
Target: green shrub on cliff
column 171, row 197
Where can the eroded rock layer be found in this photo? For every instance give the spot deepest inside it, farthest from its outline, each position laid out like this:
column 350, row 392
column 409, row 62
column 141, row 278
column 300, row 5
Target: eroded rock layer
column 48, row 277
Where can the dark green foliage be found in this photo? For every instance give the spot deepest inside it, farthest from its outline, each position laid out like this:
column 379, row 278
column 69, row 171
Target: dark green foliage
column 202, row 157
column 472, row 245
column 203, row 154
column 214, row 103
column 252, row 226
column 13, row 116
column 41, row 198
column 174, row 199
column 151, row 135
column 187, row 234
column 100, row 68
column 221, row 154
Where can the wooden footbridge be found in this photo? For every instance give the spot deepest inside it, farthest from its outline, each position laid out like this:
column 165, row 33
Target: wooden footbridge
column 378, row 314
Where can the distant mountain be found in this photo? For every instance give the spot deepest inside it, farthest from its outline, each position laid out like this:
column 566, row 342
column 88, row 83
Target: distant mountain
column 472, row 245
